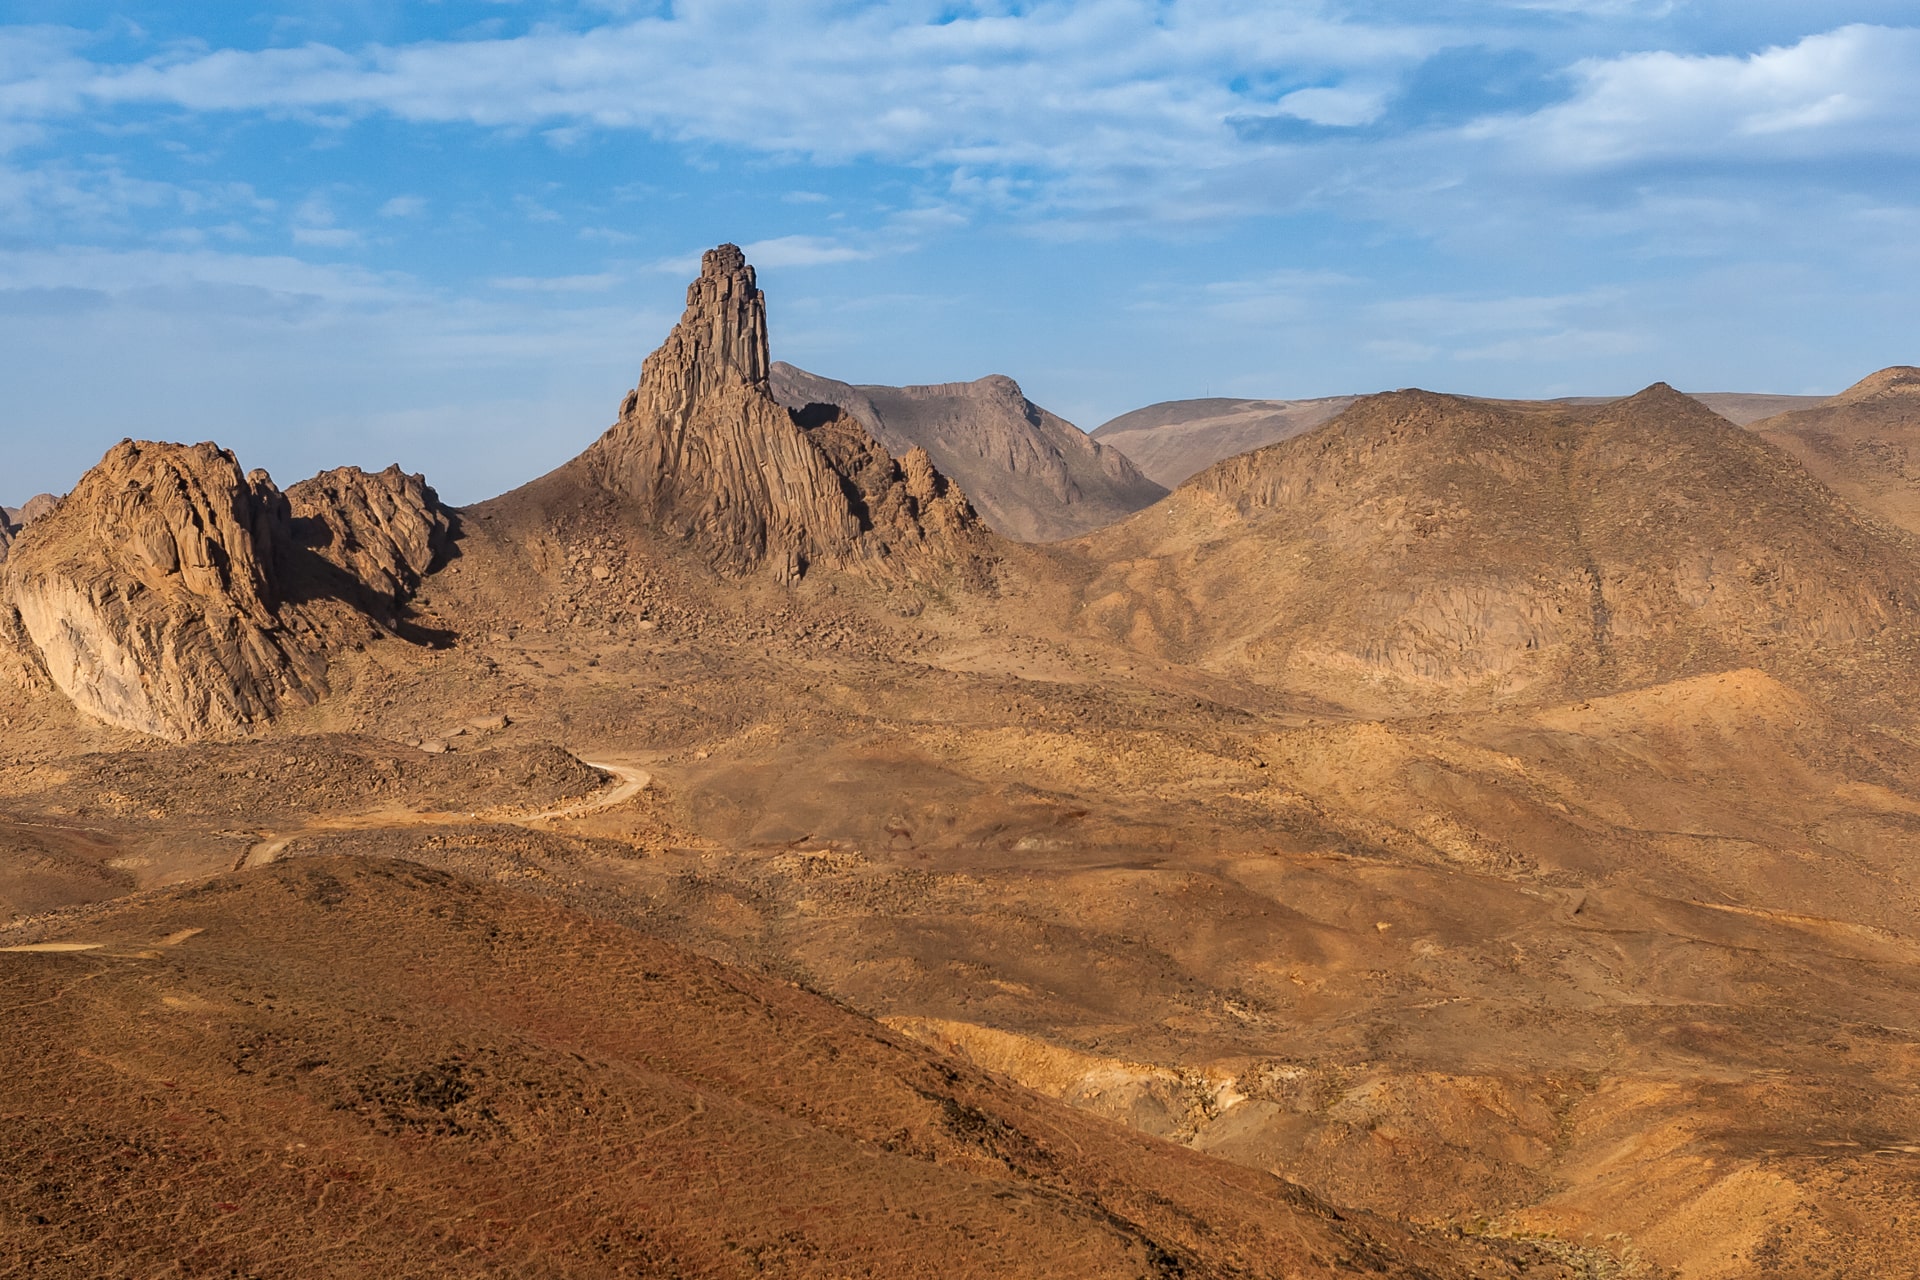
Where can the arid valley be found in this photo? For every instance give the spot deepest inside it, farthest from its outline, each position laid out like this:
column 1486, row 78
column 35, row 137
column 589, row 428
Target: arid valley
column 829, row 830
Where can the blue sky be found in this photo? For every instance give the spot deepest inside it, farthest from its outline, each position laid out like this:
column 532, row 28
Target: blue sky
column 445, row 234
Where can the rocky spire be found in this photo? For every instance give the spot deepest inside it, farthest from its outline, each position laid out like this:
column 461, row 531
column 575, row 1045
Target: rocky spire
column 706, row 453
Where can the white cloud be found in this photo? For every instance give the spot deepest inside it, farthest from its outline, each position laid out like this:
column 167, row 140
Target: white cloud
column 1850, row 91
column 1338, row 107
column 1065, row 85
column 801, row 251
column 404, row 207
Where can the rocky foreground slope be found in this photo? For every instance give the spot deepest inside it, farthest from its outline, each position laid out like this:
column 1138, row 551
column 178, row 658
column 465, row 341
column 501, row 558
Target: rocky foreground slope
column 1034, row 476
column 548, row 1094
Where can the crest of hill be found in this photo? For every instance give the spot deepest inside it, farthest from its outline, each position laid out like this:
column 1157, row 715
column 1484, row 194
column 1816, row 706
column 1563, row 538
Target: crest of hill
column 169, row 594
column 1034, row 476
column 1175, row 439
column 705, row 456
column 1424, row 550
column 1864, row 442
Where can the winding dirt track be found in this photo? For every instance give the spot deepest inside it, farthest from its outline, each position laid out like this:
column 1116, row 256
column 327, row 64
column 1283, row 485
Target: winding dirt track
column 631, row 781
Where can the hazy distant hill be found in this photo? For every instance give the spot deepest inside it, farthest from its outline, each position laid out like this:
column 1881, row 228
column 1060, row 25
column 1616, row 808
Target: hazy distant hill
column 1176, row 438
column 1032, row 475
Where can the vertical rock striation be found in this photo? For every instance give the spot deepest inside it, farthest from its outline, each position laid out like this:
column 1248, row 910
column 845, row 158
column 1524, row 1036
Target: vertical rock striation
column 707, row 455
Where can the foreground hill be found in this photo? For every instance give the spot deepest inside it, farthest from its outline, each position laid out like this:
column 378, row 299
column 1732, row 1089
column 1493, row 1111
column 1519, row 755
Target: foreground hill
column 1035, row 477
column 349, row 1066
column 1865, row 443
column 1427, row 550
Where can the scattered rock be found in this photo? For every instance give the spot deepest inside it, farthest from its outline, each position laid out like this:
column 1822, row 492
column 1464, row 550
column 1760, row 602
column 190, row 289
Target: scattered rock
column 489, row 724
column 433, row 747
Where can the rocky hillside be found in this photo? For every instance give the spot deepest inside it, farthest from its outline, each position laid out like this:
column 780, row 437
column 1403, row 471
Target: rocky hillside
column 1173, row 440
column 354, row 1066
column 1034, row 476
column 704, row 455
column 1423, row 547
column 170, row 595
column 1865, row 443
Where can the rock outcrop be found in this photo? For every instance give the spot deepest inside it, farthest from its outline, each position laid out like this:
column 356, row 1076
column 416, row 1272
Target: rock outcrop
column 384, row 529
column 1034, row 476
column 705, row 454
column 149, row 594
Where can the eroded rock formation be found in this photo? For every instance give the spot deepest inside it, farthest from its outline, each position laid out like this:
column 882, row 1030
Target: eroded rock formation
column 384, row 529
column 149, row 594
column 707, row 455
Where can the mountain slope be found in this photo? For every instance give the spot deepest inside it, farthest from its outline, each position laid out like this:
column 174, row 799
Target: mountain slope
column 354, row 1066
column 1865, row 443
column 1429, row 547
column 1174, row 439
column 1035, row 477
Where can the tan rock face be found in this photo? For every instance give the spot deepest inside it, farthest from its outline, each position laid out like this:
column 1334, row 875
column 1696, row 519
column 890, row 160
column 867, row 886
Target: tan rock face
column 707, row 455
column 384, row 529
column 149, row 594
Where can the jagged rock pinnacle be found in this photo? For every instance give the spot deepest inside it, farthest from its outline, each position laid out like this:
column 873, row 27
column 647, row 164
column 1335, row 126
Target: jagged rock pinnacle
column 707, row 455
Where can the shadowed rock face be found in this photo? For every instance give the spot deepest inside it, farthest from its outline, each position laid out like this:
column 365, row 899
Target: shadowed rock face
column 384, row 529
column 149, row 594
column 1035, row 477
column 708, row 456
